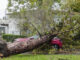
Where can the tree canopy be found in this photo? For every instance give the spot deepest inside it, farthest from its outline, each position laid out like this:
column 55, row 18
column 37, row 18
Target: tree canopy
column 39, row 16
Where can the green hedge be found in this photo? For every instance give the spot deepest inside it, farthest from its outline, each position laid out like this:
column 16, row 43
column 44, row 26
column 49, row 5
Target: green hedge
column 10, row 37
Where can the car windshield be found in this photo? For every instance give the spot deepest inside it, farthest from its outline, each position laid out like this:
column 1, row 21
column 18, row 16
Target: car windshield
column 35, row 36
column 56, row 38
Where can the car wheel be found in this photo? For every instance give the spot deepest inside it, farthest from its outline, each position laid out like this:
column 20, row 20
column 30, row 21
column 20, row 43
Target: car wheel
column 56, row 47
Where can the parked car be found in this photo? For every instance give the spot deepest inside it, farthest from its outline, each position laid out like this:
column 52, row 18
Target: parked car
column 56, row 42
column 26, row 39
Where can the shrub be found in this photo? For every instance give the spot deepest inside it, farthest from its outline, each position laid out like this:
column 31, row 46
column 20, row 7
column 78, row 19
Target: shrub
column 10, row 37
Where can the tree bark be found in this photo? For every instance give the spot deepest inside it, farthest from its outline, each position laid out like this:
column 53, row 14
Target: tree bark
column 21, row 47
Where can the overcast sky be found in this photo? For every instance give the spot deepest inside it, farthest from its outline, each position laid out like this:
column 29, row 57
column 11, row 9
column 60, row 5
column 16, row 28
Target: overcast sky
column 3, row 6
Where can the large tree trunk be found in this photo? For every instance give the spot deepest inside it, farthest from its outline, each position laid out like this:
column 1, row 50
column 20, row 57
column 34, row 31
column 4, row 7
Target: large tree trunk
column 21, row 47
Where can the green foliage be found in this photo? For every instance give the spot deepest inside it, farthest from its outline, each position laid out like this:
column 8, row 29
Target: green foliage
column 77, row 36
column 76, row 6
column 73, row 5
column 10, row 37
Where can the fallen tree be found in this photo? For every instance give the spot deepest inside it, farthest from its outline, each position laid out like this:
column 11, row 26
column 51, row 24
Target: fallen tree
column 7, row 49
column 3, row 48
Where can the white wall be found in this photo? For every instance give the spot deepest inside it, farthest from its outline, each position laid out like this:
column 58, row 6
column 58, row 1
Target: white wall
column 12, row 27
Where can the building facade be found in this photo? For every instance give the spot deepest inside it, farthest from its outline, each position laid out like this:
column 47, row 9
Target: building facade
column 9, row 27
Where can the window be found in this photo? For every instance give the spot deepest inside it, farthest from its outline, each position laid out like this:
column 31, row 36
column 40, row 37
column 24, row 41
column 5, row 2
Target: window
column 2, row 30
